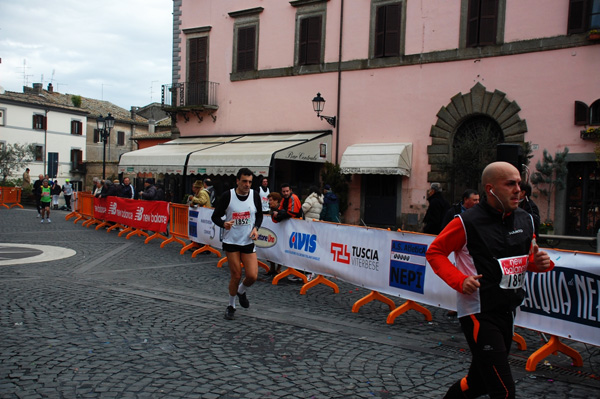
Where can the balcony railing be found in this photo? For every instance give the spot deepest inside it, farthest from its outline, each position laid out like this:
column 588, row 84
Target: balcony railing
column 189, row 94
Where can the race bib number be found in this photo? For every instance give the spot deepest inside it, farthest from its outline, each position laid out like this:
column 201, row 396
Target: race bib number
column 241, row 218
column 513, row 271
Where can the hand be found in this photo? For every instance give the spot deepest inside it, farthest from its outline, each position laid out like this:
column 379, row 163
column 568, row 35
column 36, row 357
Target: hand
column 541, row 259
column 275, row 214
column 228, row 225
column 470, row 285
column 254, row 234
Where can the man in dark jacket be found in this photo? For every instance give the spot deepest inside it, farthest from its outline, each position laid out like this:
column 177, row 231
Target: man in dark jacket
column 527, row 204
column 331, row 205
column 470, row 198
column 438, row 207
column 149, row 193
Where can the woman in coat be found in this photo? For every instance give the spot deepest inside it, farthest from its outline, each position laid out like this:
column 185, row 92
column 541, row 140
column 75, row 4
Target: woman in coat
column 313, row 204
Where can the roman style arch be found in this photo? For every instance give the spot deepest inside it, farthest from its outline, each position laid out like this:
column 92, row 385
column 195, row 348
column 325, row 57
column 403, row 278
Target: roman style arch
column 478, row 103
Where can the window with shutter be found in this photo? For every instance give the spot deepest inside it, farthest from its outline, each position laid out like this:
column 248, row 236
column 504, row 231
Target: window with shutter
column 39, row 153
column 39, row 122
column 76, row 127
column 388, row 22
column 581, row 113
column 595, row 113
column 310, row 40
column 482, row 22
column 197, row 71
column 246, row 49
column 576, row 22
column 76, row 159
column 120, row 138
column 96, row 136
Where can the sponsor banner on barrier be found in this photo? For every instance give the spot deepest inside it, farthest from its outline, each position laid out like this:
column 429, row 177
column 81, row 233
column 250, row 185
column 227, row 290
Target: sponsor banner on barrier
column 564, row 302
column 146, row 215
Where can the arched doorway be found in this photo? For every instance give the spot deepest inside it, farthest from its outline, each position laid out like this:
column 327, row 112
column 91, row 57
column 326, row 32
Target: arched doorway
column 489, row 113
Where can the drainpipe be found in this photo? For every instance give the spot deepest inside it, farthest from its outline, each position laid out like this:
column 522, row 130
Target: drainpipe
column 339, row 86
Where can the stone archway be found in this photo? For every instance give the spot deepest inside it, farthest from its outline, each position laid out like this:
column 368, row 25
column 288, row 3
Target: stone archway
column 462, row 106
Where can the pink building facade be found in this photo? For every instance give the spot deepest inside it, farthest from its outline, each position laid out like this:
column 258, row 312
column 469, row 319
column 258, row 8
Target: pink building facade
column 408, row 75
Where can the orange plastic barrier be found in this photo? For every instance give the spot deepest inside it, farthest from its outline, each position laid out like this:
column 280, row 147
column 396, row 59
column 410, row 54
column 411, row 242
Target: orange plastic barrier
column 85, row 204
column 552, row 347
column 178, row 225
column 10, row 195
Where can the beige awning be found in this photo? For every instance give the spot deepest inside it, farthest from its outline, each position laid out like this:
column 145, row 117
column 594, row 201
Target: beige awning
column 169, row 157
column 256, row 152
column 225, row 155
column 378, row 159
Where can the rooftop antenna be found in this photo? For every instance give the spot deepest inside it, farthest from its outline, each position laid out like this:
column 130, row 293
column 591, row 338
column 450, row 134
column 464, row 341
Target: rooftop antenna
column 25, row 76
column 152, row 90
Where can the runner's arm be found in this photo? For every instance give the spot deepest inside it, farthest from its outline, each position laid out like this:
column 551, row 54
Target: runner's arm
column 451, row 239
column 259, row 214
column 221, row 208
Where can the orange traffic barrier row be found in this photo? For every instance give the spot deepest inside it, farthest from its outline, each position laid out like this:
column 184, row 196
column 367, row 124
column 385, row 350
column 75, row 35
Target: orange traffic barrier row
column 10, row 197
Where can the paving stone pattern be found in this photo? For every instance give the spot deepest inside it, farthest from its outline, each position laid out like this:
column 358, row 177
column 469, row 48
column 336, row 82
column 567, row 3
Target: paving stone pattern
column 124, row 319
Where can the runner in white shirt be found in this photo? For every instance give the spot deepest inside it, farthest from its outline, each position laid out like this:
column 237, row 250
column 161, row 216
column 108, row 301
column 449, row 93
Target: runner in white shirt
column 241, row 207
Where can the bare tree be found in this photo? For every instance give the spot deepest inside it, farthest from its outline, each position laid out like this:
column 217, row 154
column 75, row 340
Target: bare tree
column 15, row 156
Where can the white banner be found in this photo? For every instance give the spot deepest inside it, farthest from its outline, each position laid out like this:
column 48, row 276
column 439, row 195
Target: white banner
column 564, row 302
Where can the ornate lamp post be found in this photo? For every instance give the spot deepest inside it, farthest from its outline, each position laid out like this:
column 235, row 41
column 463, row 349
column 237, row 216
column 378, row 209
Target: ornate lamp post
column 104, row 126
column 318, row 105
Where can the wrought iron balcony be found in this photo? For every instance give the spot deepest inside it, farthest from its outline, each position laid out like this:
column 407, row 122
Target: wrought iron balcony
column 190, row 95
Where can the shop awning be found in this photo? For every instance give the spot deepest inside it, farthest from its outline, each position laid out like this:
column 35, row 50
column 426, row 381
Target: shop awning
column 378, row 159
column 169, row 157
column 225, row 155
column 256, row 152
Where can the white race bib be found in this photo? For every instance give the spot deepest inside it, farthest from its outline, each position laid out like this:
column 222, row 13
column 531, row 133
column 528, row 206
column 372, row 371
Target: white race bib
column 513, row 271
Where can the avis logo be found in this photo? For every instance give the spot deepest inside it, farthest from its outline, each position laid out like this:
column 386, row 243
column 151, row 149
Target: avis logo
column 139, row 213
column 112, row 209
column 304, row 242
column 340, row 253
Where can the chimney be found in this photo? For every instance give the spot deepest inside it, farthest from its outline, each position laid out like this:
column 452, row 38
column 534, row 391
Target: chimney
column 151, row 125
column 133, row 112
column 37, row 88
column 50, row 88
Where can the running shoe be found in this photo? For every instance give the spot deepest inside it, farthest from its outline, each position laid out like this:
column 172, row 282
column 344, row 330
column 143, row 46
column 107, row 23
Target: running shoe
column 229, row 312
column 42, row 221
column 243, row 300
column 48, row 220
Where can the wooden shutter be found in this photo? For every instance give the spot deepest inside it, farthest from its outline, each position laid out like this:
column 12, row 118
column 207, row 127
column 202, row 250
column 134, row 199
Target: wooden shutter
column 246, row 48
column 96, row 136
column 310, row 41
column 488, row 17
column 577, row 16
column 379, row 32
column 387, row 30
column 197, row 71
column 473, row 24
column 120, row 138
column 595, row 113
column 392, row 30
column 76, row 127
column 581, row 113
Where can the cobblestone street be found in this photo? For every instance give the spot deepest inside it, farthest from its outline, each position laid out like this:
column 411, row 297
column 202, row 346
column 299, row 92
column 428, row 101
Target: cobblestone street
column 124, row 319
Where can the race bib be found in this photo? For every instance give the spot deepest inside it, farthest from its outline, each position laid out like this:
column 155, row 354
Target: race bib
column 513, row 271
column 241, row 218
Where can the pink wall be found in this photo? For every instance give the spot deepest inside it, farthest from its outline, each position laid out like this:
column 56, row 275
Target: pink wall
column 397, row 104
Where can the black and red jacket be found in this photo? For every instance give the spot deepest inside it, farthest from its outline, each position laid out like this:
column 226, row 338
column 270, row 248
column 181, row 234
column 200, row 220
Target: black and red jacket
column 479, row 237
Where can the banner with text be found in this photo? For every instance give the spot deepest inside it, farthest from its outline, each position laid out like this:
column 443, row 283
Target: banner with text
column 564, row 302
column 146, row 215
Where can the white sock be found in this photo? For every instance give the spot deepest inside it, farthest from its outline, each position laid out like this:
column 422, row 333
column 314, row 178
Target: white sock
column 232, row 301
column 242, row 288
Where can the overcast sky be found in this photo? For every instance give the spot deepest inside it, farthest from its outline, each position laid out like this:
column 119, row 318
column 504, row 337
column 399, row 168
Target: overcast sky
column 114, row 50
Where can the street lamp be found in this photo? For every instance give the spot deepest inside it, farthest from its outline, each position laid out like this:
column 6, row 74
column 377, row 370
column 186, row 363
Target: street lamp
column 104, row 125
column 318, row 105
